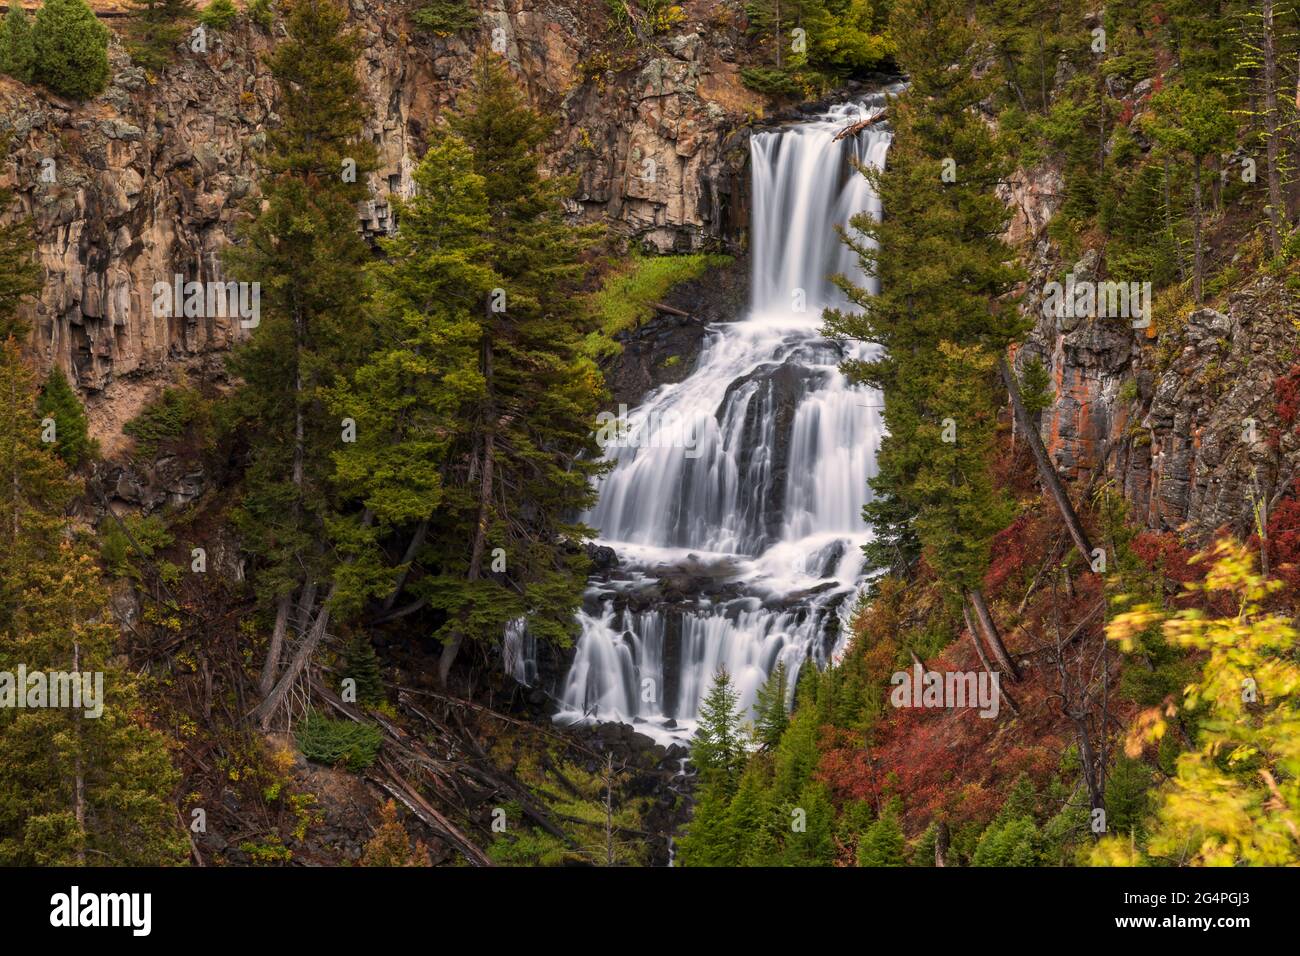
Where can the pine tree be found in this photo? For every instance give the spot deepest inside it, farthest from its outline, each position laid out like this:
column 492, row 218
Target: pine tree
column 17, row 49
column 156, row 29
column 810, row 824
column 1193, row 124
column 716, row 748
column 74, row 789
column 523, row 464
column 58, row 401
column 71, row 49
column 390, row 845
column 35, row 491
column 770, row 715
column 305, row 249
column 941, row 316
column 1036, row 390
column 710, row 837
column 414, row 397
column 883, row 844
column 752, row 819
column 361, row 664
column 1128, row 787
column 78, row 788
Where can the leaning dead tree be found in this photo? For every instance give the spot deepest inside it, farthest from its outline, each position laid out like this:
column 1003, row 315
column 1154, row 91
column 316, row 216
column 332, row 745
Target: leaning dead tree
column 853, row 129
column 1083, row 663
column 1046, row 470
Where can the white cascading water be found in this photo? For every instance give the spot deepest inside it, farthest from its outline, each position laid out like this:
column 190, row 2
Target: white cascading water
column 735, row 501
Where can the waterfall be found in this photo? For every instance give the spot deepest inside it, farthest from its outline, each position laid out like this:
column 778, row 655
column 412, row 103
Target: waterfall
column 735, row 499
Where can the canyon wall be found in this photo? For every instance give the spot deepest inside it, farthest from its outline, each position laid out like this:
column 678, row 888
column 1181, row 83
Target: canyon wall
column 149, row 179
column 1186, row 427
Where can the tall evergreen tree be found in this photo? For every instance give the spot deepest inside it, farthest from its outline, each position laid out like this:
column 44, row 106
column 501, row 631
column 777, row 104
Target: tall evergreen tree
column 17, row 49
column 717, row 749
column 940, row 316
column 1193, row 124
column 770, row 714
column 74, row 788
column 35, row 491
column 79, row 788
column 882, row 844
column 305, row 249
column 524, row 459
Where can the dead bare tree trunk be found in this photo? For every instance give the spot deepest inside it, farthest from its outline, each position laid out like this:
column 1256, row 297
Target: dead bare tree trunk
column 975, row 639
column 1198, row 254
column 78, row 770
column 1046, row 470
column 1272, row 125
column 275, row 650
column 984, row 657
column 265, row 711
column 991, row 634
column 941, row 844
column 609, row 809
column 412, row 549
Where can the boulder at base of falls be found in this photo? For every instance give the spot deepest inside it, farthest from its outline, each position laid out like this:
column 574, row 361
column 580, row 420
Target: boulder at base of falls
column 602, row 558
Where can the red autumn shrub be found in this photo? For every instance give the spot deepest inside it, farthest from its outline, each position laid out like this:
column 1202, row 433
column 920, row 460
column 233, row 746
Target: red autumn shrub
column 1163, row 552
column 1011, row 552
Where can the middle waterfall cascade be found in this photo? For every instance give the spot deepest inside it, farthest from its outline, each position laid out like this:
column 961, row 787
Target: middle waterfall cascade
column 734, row 504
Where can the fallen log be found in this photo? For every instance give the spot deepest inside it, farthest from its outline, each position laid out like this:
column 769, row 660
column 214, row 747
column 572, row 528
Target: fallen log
column 395, row 784
column 661, row 307
column 853, row 129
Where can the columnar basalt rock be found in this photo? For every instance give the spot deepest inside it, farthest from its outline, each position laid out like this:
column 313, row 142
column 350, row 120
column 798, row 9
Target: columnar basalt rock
column 149, row 179
column 1194, row 442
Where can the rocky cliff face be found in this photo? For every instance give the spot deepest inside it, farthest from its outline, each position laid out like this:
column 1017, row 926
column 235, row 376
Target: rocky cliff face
column 1187, row 427
column 147, row 181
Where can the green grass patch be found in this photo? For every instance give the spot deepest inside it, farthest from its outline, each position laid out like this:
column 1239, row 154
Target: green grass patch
column 627, row 296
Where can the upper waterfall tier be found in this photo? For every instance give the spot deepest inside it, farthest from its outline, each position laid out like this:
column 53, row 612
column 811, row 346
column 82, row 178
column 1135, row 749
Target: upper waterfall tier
column 766, row 441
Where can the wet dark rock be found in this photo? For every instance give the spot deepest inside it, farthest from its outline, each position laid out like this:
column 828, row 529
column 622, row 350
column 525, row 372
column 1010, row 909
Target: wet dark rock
column 602, row 558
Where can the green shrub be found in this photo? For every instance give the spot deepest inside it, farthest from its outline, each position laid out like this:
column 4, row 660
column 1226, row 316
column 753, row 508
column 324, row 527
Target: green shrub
column 772, row 81
column 444, row 17
column 1291, row 247
column 71, row 49
column 529, row 848
column 338, row 743
column 175, row 412
column 156, row 31
column 17, row 49
column 115, row 547
column 219, row 14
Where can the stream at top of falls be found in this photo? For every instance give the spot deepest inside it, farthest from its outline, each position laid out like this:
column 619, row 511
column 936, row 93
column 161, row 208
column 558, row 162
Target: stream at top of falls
column 734, row 504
